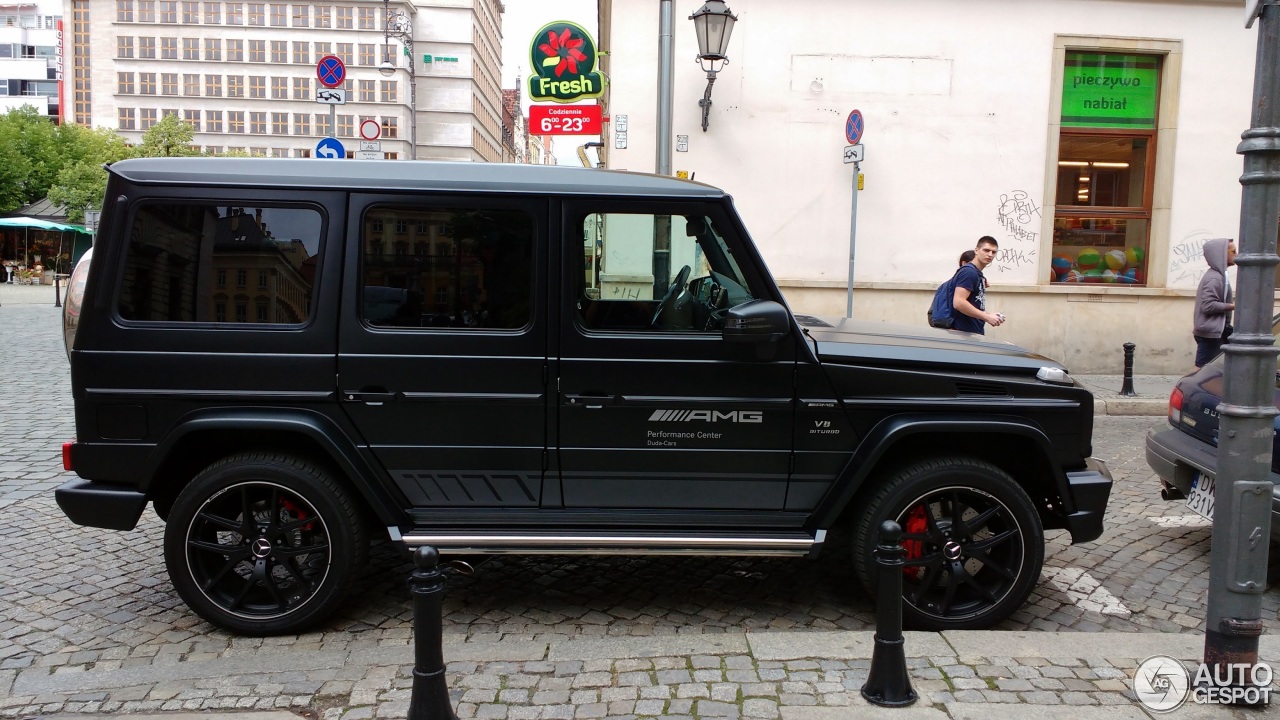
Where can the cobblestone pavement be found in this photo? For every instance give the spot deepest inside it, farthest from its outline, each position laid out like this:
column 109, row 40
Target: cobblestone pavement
column 82, row 600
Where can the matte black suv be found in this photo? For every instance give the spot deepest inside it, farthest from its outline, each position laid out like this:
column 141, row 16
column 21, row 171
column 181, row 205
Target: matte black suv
column 286, row 357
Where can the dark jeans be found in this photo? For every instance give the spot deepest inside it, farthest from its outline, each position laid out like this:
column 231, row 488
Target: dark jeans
column 1207, row 349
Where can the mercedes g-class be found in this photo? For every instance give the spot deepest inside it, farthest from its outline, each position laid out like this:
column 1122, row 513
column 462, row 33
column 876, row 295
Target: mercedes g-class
column 286, row 357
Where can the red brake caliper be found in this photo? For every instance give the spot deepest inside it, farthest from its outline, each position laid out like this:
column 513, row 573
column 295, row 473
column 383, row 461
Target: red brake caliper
column 913, row 549
column 297, row 512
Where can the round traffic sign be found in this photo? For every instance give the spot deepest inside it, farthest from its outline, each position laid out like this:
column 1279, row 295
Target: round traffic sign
column 369, row 129
column 331, row 71
column 853, row 127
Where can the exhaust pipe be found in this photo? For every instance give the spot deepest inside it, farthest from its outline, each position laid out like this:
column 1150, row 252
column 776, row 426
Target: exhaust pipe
column 1168, row 492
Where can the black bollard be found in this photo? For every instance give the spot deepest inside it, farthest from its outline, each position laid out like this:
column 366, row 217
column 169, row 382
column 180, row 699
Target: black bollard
column 57, row 294
column 888, row 683
column 1126, row 388
column 430, row 697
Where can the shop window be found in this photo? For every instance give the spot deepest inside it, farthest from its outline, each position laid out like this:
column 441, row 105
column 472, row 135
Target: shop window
column 1105, row 168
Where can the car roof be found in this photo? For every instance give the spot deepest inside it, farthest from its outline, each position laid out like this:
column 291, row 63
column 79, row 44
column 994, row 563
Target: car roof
column 311, row 173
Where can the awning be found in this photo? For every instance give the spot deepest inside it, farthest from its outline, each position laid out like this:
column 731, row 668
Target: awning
column 37, row 224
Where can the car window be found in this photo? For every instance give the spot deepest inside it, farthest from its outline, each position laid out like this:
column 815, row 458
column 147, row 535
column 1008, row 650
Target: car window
column 216, row 263
column 446, row 267
column 656, row 272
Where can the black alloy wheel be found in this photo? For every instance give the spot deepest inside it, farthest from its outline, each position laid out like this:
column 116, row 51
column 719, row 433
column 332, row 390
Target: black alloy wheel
column 262, row 545
column 972, row 540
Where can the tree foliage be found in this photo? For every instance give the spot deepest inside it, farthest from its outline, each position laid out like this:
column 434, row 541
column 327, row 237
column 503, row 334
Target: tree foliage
column 31, row 143
column 171, row 137
column 38, row 151
column 79, row 187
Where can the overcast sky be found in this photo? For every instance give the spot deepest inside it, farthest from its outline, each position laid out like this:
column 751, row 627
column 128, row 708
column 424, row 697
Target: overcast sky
column 521, row 20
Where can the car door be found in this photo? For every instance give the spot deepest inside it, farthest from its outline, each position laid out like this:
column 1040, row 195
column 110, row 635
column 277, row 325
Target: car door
column 655, row 409
column 442, row 345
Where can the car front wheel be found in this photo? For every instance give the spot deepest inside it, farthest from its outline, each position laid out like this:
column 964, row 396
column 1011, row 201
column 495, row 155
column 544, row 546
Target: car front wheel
column 972, row 538
column 263, row 544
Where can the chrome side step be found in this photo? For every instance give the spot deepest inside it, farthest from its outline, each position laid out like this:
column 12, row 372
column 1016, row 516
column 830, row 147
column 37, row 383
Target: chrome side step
column 790, row 544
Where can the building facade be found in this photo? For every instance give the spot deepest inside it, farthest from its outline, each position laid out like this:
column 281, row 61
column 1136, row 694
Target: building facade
column 243, row 74
column 1096, row 141
column 30, row 60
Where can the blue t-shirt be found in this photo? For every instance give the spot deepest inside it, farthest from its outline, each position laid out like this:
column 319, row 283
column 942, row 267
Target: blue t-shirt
column 970, row 278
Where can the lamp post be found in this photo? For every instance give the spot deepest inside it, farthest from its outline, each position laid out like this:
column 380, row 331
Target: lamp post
column 713, row 24
column 397, row 24
column 1242, row 496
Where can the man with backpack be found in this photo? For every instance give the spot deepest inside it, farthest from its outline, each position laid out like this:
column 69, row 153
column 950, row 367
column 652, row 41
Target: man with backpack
column 967, row 293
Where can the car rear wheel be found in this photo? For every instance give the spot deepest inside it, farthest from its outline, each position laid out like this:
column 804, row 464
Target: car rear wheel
column 973, row 542
column 263, row 544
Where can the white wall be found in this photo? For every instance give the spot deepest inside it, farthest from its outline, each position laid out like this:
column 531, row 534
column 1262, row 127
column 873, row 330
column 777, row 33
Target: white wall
column 956, row 98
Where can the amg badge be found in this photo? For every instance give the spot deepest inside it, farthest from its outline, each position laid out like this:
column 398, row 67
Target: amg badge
column 737, row 416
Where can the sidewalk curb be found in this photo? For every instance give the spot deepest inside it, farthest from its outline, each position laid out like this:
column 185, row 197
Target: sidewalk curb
column 1130, row 406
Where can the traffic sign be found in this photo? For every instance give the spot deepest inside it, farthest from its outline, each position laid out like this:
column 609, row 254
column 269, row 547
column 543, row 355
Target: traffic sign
column 853, row 127
column 369, row 155
column 331, row 96
column 330, row 148
column 370, row 129
column 852, row 154
column 366, row 145
column 331, row 71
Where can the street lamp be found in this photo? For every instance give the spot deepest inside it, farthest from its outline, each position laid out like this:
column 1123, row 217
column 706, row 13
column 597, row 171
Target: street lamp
column 713, row 24
column 399, row 25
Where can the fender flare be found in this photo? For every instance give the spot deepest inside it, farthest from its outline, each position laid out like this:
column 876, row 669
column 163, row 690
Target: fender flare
column 876, row 443
column 319, row 428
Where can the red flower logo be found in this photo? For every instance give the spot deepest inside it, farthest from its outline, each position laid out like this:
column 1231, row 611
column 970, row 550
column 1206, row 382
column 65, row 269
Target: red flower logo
column 562, row 52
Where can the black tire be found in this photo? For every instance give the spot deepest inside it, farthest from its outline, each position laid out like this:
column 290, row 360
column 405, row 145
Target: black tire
column 255, row 570
column 973, row 539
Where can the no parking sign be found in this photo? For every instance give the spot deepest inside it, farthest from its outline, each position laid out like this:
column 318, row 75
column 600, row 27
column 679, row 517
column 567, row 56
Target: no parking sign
column 853, row 127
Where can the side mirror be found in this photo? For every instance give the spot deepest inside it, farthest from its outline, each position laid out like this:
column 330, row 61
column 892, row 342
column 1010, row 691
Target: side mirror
column 757, row 321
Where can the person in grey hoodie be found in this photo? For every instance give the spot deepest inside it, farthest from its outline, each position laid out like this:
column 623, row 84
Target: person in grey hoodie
column 1214, row 304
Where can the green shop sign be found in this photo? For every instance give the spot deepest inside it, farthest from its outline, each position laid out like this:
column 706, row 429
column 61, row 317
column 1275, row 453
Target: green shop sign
column 563, row 58
column 1104, row 90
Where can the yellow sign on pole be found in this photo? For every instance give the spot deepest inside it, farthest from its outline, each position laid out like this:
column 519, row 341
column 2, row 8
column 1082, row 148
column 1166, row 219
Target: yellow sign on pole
column 861, row 178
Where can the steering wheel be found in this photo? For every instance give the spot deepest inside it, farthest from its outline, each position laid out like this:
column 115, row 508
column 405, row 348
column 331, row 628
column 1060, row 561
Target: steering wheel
column 681, row 278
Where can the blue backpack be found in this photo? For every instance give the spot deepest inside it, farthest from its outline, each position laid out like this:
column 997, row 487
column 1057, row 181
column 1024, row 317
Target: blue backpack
column 940, row 312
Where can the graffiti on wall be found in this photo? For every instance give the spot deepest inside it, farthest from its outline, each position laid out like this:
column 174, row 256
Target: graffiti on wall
column 1186, row 259
column 1019, row 218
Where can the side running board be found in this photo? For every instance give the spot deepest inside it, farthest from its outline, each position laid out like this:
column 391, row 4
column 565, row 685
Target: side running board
column 479, row 543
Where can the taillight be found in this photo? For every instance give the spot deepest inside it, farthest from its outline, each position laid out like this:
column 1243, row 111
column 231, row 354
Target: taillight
column 66, row 456
column 1175, row 406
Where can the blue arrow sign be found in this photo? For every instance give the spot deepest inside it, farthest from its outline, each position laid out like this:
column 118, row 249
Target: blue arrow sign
column 853, row 127
column 330, row 148
column 331, row 71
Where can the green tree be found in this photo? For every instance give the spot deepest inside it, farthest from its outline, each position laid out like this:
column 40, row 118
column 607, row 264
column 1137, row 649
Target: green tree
column 171, row 137
column 82, row 181
column 92, row 145
column 32, row 155
column 79, row 187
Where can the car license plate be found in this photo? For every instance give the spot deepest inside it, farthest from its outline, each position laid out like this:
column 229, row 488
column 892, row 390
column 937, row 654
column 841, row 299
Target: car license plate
column 1201, row 499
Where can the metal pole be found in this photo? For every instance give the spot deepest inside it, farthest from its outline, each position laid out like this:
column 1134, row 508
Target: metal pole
column 666, row 83
column 888, row 682
column 1242, row 495
column 1126, row 385
column 413, row 104
column 853, row 237
column 429, row 698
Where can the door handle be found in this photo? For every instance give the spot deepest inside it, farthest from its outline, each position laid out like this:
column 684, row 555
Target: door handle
column 591, row 402
column 373, row 396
